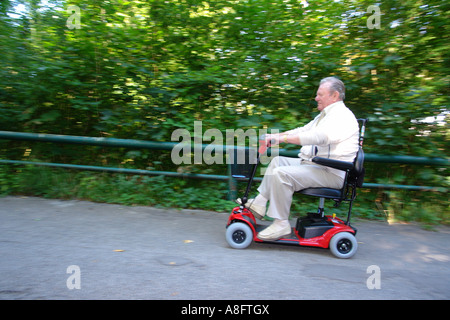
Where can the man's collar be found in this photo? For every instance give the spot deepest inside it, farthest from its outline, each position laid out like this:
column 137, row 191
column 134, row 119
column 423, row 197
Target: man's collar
column 331, row 106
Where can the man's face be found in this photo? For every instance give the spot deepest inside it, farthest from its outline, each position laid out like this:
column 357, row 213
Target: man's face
column 324, row 97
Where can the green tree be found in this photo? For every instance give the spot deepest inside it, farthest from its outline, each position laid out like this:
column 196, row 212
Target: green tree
column 141, row 69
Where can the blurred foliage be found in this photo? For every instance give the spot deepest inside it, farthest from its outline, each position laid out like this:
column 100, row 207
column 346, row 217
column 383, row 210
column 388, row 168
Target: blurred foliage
column 141, row 69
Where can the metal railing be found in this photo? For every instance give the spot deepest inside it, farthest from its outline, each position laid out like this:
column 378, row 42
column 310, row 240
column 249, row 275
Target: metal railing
column 168, row 146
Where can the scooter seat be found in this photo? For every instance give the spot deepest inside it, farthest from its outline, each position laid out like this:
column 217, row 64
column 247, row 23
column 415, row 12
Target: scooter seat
column 328, row 193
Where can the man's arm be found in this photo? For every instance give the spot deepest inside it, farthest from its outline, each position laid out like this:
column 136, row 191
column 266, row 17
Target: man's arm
column 290, row 136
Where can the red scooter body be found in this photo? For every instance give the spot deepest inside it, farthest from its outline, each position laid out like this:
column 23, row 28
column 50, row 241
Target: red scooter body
column 327, row 228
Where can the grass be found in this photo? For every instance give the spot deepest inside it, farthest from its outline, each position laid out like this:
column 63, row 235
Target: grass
column 157, row 191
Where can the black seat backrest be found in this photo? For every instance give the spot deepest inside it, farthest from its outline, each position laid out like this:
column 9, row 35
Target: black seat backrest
column 356, row 175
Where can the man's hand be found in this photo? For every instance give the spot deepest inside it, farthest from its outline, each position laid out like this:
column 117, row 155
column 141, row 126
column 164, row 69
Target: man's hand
column 273, row 139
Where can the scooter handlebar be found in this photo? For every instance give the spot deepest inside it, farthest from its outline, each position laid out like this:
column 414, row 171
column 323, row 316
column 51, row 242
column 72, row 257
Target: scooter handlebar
column 264, row 144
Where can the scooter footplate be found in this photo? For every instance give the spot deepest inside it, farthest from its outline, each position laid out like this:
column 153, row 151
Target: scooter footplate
column 290, row 239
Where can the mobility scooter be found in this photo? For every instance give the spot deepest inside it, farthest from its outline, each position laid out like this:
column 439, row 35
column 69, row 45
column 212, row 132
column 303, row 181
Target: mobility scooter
column 315, row 229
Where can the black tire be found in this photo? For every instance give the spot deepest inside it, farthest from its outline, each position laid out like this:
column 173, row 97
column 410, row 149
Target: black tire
column 239, row 235
column 343, row 245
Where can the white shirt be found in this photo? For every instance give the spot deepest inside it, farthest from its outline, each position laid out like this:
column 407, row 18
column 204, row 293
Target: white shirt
column 334, row 134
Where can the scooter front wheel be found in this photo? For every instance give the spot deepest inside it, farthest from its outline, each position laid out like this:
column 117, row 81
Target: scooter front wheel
column 239, row 235
column 343, row 245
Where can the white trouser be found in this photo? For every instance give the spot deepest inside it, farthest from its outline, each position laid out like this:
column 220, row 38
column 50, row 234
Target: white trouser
column 286, row 175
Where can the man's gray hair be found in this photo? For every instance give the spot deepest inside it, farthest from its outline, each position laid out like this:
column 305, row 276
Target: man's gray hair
column 335, row 85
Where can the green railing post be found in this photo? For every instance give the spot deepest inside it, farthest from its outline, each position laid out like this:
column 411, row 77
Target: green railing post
column 232, row 184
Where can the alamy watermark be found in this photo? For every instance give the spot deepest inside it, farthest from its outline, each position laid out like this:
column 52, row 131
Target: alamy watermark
column 374, row 280
column 74, row 280
column 374, row 21
column 236, row 146
column 74, row 21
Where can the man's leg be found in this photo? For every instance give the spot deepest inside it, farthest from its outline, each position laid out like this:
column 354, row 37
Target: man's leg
column 267, row 182
column 280, row 185
column 286, row 180
column 259, row 203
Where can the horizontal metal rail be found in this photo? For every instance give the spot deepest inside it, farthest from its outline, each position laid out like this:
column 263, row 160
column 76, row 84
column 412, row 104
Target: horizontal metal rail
column 130, row 143
column 118, row 170
column 403, row 159
column 196, row 175
column 92, row 141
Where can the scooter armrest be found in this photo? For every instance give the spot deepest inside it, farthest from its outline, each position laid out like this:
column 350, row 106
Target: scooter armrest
column 336, row 164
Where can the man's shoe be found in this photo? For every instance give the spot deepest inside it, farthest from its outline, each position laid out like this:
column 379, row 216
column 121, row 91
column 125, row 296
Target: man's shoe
column 258, row 211
column 275, row 231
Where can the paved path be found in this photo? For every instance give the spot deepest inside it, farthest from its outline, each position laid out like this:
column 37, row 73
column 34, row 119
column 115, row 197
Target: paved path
column 53, row 249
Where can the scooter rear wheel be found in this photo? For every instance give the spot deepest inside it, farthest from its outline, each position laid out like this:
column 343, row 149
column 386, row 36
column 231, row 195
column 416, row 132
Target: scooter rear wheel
column 239, row 235
column 343, row 245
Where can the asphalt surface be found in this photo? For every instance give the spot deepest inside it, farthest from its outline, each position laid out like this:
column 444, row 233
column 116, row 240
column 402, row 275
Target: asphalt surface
column 54, row 249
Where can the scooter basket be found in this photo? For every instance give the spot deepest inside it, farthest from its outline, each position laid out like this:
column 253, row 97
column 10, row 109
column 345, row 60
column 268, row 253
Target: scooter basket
column 242, row 160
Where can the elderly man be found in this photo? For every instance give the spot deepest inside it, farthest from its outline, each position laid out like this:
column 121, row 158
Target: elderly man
column 331, row 134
